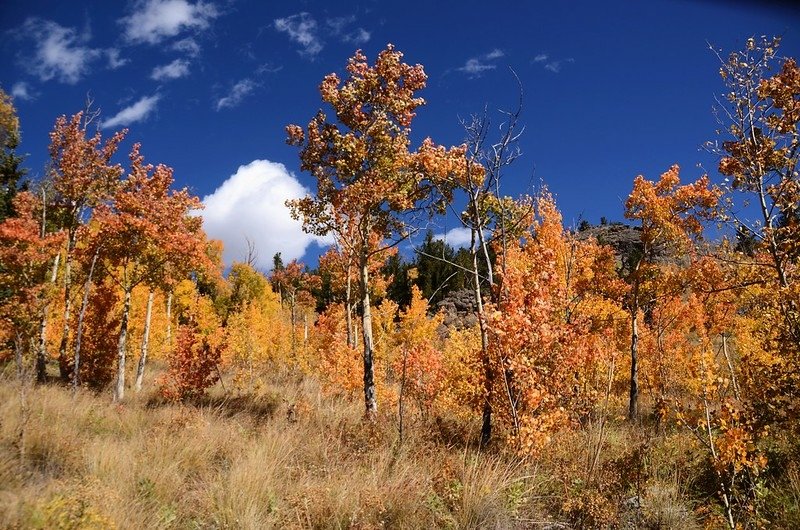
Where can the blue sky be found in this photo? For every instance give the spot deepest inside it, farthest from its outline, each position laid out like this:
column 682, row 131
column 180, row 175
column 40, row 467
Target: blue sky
column 612, row 89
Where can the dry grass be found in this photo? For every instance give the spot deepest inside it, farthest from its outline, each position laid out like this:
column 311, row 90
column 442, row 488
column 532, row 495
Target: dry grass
column 290, row 457
column 285, row 458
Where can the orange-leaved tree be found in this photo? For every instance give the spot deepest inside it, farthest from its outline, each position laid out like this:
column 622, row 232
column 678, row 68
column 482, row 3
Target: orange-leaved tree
column 367, row 176
column 147, row 227
column 24, row 253
column 670, row 217
column 546, row 345
column 83, row 178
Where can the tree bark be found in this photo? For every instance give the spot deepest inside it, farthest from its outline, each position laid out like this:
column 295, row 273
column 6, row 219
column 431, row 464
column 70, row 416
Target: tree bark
column 62, row 348
column 633, row 402
column 488, row 374
column 169, row 320
column 41, row 350
column 145, row 342
column 294, row 324
column 76, row 368
column 119, row 392
column 370, row 400
column 349, row 310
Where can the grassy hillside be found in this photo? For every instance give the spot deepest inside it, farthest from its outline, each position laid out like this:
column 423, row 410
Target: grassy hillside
column 288, row 456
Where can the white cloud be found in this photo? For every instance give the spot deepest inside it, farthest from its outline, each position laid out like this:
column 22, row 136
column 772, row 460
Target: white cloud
column 139, row 111
column 359, row 36
column 302, row 29
column 250, row 205
column 22, row 91
column 188, row 46
column 494, row 54
column 456, row 237
column 174, row 70
column 153, row 21
column 550, row 64
column 238, row 92
column 475, row 66
column 337, row 24
column 114, row 60
column 59, row 52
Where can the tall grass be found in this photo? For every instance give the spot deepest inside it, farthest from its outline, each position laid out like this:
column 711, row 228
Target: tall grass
column 289, row 456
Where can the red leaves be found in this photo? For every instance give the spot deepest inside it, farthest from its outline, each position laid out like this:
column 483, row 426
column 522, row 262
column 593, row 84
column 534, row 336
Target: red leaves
column 25, row 256
column 192, row 366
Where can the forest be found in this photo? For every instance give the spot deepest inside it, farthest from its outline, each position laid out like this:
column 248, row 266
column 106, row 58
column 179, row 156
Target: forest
column 636, row 375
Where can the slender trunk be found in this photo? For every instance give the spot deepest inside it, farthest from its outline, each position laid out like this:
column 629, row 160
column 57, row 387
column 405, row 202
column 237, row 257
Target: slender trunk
column 76, row 369
column 119, row 392
column 305, row 327
column 633, row 403
column 370, row 400
column 402, row 394
column 294, row 325
column 145, row 342
column 62, row 348
column 169, row 320
column 41, row 350
column 727, row 356
column 23, row 399
column 488, row 373
column 349, row 310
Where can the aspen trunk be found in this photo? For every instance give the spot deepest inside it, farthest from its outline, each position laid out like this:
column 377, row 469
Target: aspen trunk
column 349, row 311
column 633, row 403
column 169, row 320
column 370, row 400
column 62, row 348
column 41, row 350
column 76, row 369
column 294, row 324
column 488, row 375
column 145, row 342
column 119, row 392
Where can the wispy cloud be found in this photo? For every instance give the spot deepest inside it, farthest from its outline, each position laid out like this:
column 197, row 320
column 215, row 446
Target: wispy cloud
column 22, row 91
column 59, row 52
column 114, row 60
column 359, row 36
column 139, row 111
column 551, row 64
column 153, row 21
column 174, row 70
column 188, row 46
column 476, row 66
column 302, row 29
column 238, row 92
column 338, row 27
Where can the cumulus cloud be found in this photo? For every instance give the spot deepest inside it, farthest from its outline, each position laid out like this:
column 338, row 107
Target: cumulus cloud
column 59, row 52
column 238, row 92
column 302, row 29
column 153, row 21
column 139, row 111
column 22, row 91
column 174, row 70
column 250, row 206
column 476, row 66
column 456, row 237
